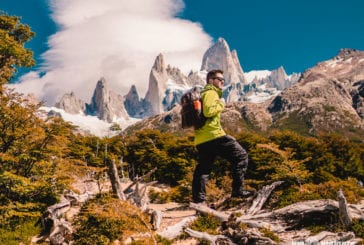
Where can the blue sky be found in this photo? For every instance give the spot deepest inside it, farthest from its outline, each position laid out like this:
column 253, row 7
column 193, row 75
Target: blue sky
column 34, row 13
column 296, row 34
column 92, row 38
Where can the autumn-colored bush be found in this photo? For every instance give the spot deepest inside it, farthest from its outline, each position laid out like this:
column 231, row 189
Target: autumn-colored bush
column 105, row 219
column 284, row 196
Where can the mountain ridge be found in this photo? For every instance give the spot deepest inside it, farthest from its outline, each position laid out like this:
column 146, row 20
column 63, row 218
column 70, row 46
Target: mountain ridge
column 328, row 97
column 167, row 84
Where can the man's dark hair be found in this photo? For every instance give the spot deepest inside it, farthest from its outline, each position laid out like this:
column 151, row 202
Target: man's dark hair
column 212, row 74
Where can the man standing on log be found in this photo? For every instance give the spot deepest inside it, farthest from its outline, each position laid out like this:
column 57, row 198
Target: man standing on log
column 212, row 141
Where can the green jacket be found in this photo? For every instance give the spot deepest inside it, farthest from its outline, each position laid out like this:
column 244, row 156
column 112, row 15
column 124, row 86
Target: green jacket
column 212, row 108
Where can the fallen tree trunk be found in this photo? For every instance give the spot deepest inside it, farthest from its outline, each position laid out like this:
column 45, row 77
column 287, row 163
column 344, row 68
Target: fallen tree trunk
column 217, row 239
column 295, row 215
column 262, row 197
column 326, row 237
column 171, row 232
column 202, row 208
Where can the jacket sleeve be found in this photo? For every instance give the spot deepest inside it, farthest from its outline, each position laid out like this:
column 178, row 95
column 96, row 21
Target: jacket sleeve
column 212, row 105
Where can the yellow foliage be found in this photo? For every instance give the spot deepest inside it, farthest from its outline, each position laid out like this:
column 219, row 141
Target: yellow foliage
column 111, row 219
column 288, row 168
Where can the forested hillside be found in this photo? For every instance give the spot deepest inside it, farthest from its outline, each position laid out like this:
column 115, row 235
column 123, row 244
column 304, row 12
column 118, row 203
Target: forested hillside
column 42, row 156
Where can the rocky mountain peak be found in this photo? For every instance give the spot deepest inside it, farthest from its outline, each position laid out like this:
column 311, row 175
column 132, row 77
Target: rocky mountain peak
column 221, row 42
column 101, row 92
column 327, row 95
column 132, row 103
column 71, row 104
column 133, row 91
column 159, row 65
column 219, row 56
column 347, row 67
column 105, row 104
column 347, row 52
column 157, row 85
column 278, row 79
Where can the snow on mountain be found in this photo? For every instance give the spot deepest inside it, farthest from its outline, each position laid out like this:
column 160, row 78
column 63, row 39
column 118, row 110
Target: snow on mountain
column 259, row 74
column 172, row 85
column 90, row 124
column 259, row 97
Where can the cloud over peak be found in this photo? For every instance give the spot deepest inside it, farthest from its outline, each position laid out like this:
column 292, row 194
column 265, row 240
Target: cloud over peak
column 115, row 39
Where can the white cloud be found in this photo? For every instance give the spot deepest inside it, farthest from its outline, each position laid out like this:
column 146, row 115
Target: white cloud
column 115, row 39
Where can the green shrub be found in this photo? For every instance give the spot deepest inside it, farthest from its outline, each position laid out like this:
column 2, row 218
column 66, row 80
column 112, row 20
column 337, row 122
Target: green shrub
column 20, row 233
column 159, row 196
column 163, row 241
column 206, row 223
column 270, row 234
column 358, row 228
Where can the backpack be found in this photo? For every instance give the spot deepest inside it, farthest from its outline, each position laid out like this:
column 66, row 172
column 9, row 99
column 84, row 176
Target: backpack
column 192, row 111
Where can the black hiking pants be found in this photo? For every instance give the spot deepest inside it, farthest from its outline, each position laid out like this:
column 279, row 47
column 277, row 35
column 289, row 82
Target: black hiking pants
column 228, row 148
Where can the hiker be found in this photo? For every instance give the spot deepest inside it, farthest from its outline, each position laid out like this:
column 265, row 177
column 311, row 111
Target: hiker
column 211, row 141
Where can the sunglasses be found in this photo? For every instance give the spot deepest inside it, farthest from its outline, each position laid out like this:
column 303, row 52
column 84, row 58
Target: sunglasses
column 220, row 79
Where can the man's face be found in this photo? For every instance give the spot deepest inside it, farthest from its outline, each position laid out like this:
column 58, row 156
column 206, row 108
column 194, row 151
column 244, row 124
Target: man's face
column 218, row 81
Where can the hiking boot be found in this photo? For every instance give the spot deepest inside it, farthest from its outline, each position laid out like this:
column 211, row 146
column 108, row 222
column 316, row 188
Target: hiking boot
column 243, row 194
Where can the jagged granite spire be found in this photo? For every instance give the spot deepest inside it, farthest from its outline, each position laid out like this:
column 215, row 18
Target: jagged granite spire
column 132, row 103
column 99, row 102
column 279, row 79
column 105, row 104
column 157, row 85
column 218, row 56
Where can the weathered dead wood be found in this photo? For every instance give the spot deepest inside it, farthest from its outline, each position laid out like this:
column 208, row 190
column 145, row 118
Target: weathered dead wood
column 332, row 238
column 52, row 223
column 156, row 218
column 217, row 239
column 58, row 209
column 58, row 230
column 344, row 212
column 256, row 238
column 202, row 208
column 115, row 180
column 285, row 218
column 262, row 197
column 139, row 196
column 171, row 232
column 77, row 199
column 138, row 179
column 291, row 216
